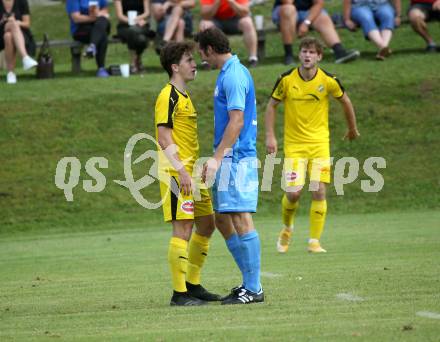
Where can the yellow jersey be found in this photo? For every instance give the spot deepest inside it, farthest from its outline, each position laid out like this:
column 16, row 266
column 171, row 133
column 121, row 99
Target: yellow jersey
column 306, row 105
column 176, row 111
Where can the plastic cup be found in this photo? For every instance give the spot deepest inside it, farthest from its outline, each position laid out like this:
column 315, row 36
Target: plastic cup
column 259, row 22
column 125, row 70
column 131, row 15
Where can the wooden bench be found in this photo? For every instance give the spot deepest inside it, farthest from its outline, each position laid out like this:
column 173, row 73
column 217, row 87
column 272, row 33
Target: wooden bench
column 75, row 50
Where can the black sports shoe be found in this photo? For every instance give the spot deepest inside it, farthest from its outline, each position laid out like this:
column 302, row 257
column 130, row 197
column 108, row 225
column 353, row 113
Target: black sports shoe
column 431, row 48
column 234, row 291
column 198, row 291
column 184, row 299
column 245, row 297
column 289, row 60
column 253, row 63
column 348, row 56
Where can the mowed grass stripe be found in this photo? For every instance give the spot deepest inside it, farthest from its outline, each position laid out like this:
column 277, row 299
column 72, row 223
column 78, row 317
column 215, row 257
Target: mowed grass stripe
column 86, row 287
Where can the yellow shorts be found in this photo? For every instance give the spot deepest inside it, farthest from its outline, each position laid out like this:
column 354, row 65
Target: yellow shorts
column 310, row 157
column 177, row 206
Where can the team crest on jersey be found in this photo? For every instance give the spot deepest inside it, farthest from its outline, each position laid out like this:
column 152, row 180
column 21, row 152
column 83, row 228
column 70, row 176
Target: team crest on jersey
column 321, row 88
column 291, row 176
column 216, row 91
column 187, row 207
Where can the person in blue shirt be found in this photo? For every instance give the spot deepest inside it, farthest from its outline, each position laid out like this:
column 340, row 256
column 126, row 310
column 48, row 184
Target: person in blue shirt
column 233, row 167
column 89, row 24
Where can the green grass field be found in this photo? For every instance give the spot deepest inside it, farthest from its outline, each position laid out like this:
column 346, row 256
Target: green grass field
column 380, row 273
column 96, row 269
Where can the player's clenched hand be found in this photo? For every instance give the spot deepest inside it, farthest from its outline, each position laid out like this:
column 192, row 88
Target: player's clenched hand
column 351, row 134
column 209, row 170
column 185, row 182
column 271, row 144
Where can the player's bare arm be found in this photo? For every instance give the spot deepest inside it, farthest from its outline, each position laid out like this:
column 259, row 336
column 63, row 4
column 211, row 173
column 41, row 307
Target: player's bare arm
column 166, row 142
column 232, row 131
column 270, row 117
column 352, row 132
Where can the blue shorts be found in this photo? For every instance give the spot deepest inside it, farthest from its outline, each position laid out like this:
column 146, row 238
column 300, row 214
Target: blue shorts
column 302, row 15
column 380, row 18
column 236, row 186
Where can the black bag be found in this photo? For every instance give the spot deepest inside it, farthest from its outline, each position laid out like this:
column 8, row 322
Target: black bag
column 45, row 67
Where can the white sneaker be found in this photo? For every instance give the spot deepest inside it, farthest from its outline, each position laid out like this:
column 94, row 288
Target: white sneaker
column 29, row 62
column 11, row 78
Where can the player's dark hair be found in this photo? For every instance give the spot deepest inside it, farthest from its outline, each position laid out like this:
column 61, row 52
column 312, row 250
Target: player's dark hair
column 172, row 53
column 214, row 38
column 308, row 42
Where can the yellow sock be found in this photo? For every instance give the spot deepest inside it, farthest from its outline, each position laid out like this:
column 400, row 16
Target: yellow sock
column 178, row 261
column 288, row 211
column 318, row 211
column 197, row 252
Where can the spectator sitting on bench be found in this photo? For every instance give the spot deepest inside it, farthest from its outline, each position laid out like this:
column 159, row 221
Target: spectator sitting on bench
column 15, row 36
column 173, row 18
column 232, row 17
column 369, row 14
column 420, row 12
column 136, row 36
column 296, row 17
column 89, row 24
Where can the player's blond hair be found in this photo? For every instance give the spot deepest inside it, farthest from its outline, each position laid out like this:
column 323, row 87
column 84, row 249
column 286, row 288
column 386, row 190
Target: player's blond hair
column 308, row 42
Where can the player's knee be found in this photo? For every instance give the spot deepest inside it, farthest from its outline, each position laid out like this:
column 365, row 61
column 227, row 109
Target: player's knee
column 182, row 229
column 293, row 196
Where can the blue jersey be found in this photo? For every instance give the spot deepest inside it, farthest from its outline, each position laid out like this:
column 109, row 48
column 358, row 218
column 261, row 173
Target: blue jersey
column 235, row 90
column 81, row 6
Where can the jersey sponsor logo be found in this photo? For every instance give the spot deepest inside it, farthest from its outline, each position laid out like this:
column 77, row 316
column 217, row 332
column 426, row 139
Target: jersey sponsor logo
column 187, row 207
column 291, row 176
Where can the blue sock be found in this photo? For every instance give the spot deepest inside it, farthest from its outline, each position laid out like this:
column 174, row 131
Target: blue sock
column 234, row 246
column 251, row 258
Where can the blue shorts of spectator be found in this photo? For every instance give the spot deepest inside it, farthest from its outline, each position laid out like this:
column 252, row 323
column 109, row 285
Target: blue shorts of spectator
column 380, row 18
column 302, row 15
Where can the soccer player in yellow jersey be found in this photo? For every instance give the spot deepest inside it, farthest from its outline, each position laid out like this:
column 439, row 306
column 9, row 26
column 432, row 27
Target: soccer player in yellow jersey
column 176, row 132
column 305, row 93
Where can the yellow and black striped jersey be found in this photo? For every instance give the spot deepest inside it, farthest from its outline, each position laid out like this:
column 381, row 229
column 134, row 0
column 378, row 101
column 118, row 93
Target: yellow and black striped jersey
column 306, row 105
column 176, row 111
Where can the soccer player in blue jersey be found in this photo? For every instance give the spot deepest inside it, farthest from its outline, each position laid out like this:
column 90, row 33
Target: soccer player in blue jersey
column 233, row 167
